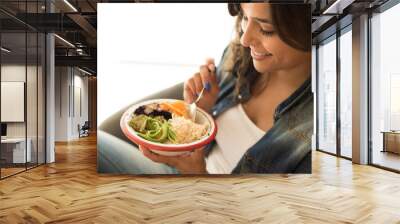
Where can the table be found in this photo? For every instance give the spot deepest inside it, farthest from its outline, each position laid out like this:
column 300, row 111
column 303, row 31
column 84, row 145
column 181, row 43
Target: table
column 15, row 148
column 391, row 141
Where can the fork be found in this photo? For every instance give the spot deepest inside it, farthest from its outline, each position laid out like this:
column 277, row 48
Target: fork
column 193, row 106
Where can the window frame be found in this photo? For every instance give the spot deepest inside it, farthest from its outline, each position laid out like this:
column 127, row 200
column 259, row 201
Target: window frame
column 27, row 29
column 378, row 10
column 333, row 37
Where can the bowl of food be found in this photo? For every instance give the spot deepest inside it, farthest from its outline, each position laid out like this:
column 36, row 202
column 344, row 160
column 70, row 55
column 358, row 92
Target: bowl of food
column 165, row 127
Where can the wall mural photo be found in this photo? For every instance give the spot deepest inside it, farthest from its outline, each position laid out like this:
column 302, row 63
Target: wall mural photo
column 204, row 88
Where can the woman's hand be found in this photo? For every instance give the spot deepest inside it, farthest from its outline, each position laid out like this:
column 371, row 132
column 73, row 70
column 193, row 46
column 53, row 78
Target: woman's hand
column 192, row 163
column 206, row 77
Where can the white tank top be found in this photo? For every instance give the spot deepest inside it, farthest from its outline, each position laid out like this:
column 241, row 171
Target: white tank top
column 236, row 134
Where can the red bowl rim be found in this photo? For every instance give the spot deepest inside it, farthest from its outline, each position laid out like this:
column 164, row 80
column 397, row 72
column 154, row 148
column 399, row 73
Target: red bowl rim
column 157, row 146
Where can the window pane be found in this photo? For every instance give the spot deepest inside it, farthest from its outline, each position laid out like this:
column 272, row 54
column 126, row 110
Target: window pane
column 327, row 97
column 14, row 153
column 385, row 87
column 41, row 98
column 31, row 99
column 345, row 94
column 22, row 91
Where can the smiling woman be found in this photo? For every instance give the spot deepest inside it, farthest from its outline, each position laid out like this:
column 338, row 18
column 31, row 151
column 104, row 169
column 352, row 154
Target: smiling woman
column 259, row 95
column 279, row 30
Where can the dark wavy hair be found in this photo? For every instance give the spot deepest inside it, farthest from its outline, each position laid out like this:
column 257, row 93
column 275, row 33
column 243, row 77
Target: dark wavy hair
column 292, row 22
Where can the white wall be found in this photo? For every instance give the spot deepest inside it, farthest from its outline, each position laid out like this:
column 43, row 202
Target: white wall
column 61, row 103
column 80, row 83
column 69, row 79
column 16, row 73
column 12, row 101
column 33, row 127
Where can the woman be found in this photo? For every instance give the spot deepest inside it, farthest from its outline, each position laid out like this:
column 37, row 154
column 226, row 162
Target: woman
column 262, row 89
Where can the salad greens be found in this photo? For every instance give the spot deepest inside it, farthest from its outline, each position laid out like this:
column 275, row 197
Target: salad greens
column 155, row 129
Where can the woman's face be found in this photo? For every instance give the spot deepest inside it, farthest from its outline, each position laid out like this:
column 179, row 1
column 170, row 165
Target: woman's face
column 268, row 51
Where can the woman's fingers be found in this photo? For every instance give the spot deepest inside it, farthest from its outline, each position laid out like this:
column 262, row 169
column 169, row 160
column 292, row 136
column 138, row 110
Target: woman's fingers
column 211, row 67
column 211, row 64
column 213, row 75
column 199, row 153
column 171, row 161
column 205, row 77
column 210, row 61
column 189, row 91
column 191, row 163
column 198, row 83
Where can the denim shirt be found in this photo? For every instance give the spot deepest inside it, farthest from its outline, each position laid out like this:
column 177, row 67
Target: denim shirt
column 286, row 146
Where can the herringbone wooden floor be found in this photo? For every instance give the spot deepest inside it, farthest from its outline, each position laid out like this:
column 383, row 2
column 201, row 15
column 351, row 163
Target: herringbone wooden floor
column 70, row 191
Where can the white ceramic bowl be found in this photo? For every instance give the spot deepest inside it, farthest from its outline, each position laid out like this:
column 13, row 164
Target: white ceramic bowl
column 168, row 149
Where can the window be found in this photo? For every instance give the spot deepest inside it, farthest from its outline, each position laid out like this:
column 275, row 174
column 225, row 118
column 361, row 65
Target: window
column 327, row 96
column 22, row 76
column 385, row 89
column 346, row 92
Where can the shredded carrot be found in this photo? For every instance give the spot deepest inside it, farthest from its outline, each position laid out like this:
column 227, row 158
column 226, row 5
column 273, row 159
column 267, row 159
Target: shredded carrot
column 178, row 107
column 165, row 106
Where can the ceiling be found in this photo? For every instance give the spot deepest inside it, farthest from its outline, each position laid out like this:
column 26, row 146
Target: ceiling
column 76, row 22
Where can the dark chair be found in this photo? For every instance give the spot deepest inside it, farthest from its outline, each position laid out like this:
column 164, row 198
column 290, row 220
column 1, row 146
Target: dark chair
column 84, row 130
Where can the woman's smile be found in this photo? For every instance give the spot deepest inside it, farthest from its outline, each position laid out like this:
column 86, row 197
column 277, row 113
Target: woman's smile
column 259, row 56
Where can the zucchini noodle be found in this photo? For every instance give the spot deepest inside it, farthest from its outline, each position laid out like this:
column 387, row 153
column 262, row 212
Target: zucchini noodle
column 155, row 129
